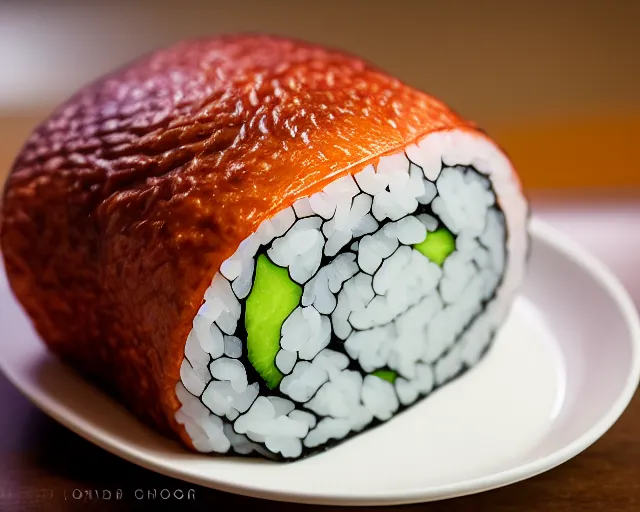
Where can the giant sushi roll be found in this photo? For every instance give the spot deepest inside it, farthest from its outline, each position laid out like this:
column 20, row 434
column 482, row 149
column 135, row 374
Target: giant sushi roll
column 261, row 246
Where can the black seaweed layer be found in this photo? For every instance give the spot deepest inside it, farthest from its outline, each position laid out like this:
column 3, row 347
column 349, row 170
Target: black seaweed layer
column 337, row 344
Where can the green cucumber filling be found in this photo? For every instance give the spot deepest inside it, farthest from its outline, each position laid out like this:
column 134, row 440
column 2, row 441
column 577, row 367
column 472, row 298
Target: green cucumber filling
column 335, row 295
column 272, row 299
column 437, row 245
column 274, row 296
column 388, row 375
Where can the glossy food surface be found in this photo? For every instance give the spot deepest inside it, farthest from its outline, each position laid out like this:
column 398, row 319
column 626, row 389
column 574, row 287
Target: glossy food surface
column 124, row 202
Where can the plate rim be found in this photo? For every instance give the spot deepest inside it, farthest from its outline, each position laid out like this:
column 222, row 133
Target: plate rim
column 538, row 229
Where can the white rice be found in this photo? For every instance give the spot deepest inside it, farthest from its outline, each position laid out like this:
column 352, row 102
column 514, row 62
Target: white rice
column 304, row 381
column 320, row 291
column 222, row 399
column 407, row 391
column 379, row 397
column 306, row 332
column 300, row 249
column 232, row 346
column 231, row 370
column 376, row 304
column 194, row 385
column 285, row 360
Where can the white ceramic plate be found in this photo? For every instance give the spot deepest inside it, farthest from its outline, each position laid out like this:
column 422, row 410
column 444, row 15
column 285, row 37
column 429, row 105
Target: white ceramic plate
column 561, row 372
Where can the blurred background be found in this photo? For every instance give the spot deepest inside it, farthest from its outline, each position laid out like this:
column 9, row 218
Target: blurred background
column 556, row 83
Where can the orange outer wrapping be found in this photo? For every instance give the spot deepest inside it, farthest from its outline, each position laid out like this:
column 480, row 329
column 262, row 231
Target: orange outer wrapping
column 122, row 205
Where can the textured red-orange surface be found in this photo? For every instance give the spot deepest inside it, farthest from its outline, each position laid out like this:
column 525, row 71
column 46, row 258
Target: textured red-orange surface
column 122, row 205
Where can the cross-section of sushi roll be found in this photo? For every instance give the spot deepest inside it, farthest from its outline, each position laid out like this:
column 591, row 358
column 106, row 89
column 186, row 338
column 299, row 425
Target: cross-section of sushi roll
column 261, row 246
column 355, row 302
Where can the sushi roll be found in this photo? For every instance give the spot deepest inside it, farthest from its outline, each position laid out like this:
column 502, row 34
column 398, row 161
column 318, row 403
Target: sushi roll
column 261, row 246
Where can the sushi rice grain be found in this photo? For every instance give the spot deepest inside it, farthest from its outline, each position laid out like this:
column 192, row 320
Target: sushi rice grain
column 406, row 270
